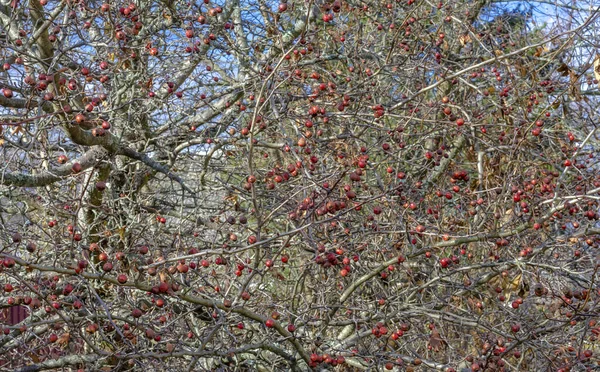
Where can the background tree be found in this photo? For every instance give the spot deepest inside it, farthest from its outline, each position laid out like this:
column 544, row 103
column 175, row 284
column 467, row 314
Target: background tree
column 312, row 184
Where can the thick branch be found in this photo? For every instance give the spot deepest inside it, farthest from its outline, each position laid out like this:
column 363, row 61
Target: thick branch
column 88, row 160
column 154, row 165
column 61, row 363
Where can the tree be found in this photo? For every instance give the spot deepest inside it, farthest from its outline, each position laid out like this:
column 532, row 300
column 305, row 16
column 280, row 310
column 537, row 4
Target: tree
column 287, row 186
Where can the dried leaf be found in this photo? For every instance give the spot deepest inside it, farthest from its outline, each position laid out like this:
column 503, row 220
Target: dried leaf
column 575, row 89
column 563, row 69
column 464, row 39
column 435, row 341
column 108, row 29
column 126, row 64
column 523, row 71
column 538, row 51
column 445, row 46
column 33, row 357
column 524, row 289
column 515, row 283
column 121, row 232
column 231, row 198
column 63, row 340
column 597, row 68
column 163, row 276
